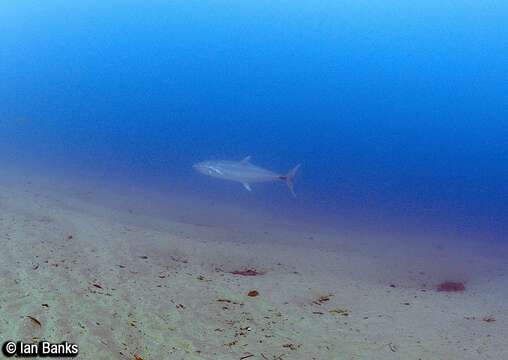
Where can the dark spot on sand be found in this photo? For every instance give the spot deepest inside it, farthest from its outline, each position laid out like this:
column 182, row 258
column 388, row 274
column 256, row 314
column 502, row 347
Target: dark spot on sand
column 253, row 293
column 451, row 286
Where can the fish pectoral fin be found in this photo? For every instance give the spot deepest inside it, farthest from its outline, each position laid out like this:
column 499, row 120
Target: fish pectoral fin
column 245, row 159
column 247, row 187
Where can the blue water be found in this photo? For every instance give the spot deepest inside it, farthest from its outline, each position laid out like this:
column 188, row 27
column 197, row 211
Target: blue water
column 397, row 110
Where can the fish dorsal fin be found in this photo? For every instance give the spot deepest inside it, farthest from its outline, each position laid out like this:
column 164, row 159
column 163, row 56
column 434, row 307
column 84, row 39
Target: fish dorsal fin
column 247, row 186
column 245, row 160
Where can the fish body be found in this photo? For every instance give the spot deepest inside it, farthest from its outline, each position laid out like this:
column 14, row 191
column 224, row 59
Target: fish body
column 244, row 172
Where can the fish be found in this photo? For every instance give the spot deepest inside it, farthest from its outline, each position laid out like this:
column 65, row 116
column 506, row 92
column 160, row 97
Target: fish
column 245, row 172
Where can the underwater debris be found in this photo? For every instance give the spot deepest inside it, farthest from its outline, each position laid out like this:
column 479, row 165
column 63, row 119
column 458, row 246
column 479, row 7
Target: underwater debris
column 179, row 259
column 232, row 343
column 34, row 320
column 247, row 272
column 489, row 319
column 291, row 346
column 98, row 286
column 342, row 312
column 253, row 293
column 451, row 286
column 322, row 299
column 137, row 357
column 393, row 347
column 227, row 301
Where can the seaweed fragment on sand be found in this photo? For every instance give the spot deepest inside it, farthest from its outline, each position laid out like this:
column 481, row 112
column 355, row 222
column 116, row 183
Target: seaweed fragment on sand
column 34, row 321
column 489, row 319
column 341, row 312
column 322, row 299
column 247, row 272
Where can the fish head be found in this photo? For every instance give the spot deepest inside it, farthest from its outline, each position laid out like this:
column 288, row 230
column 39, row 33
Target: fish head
column 207, row 168
column 201, row 167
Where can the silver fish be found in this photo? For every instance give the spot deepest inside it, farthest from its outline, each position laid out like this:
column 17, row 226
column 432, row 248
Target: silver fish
column 244, row 172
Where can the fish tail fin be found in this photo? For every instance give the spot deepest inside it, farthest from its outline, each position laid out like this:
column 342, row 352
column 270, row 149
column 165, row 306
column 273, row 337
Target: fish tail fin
column 290, row 178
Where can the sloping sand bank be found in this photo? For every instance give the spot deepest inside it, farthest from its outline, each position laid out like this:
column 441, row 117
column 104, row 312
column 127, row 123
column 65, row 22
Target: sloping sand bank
column 121, row 290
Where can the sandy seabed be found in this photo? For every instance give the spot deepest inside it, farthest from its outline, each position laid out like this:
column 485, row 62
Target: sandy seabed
column 123, row 290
